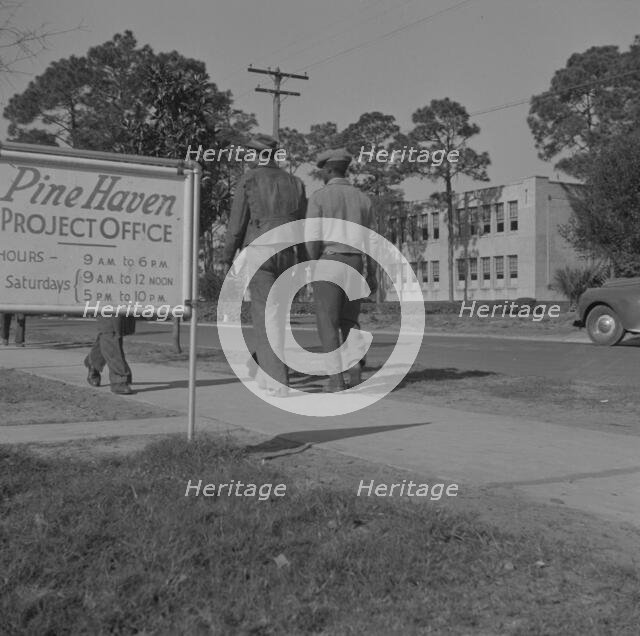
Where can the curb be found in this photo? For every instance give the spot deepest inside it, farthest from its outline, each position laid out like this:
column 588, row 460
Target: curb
column 577, row 338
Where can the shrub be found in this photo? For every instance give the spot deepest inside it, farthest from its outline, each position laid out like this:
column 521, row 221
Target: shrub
column 526, row 302
column 574, row 281
column 210, row 285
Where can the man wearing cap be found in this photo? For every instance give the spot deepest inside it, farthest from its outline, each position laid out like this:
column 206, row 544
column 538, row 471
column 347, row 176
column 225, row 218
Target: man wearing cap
column 266, row 197
column 336, row 315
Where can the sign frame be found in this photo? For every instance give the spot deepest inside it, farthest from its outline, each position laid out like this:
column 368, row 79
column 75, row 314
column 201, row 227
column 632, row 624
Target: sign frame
column 129, row 165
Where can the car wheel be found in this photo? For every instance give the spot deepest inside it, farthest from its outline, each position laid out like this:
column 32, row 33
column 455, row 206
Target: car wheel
column 604, row 326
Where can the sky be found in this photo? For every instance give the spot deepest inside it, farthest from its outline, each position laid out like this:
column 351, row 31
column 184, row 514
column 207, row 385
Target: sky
column 481, row 53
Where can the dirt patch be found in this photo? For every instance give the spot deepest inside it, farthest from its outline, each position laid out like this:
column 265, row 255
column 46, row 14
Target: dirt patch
column 29, row 399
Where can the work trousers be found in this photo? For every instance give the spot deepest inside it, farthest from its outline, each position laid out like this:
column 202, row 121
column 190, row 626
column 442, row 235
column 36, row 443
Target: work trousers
column 107, row 349
column 274, row 319
column 20, row 327
column 336, row 315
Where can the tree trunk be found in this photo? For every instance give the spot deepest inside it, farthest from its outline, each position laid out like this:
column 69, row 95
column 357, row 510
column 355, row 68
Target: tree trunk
column 467, row 272
column 466, row 237
column 175, row 335
column 380, row 294
column 451, row 237
column 207, row 250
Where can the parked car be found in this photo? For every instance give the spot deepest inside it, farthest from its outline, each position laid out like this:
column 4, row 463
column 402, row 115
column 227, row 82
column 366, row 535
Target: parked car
column 610, row 311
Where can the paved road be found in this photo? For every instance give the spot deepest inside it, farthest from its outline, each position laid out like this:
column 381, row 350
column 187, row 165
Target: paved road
column 612, row 365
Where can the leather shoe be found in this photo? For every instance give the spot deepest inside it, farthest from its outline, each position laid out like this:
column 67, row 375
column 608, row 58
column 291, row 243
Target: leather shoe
column 93, row 377
column 281, row 392
column 252, row 365
column 121, row 389
column 355, row 375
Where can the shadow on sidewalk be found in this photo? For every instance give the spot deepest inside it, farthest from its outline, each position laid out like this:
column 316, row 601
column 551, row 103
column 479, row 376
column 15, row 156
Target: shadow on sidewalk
column 288, row 441
column 180, row 384
column 56, row 345
column 437, row 375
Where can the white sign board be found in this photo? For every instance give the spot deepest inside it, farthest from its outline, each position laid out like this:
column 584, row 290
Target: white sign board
column 99, row 228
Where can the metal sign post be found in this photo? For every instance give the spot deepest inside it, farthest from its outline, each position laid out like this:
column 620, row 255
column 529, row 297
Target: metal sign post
column 86, row 232
column 193, row 328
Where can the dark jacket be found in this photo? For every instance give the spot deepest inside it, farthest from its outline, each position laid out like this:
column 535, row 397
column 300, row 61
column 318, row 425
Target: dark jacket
column 266, row 197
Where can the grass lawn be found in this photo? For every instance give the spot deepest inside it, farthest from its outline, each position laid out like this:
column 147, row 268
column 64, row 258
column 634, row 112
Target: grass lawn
column 29, row 399
column 604, row 407
column 112, row 545
column 454, row 323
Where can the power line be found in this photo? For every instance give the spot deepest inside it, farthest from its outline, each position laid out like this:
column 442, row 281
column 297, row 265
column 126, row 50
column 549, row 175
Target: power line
column 551, row 93
column 384, row 36
column 302, row 39
column 498, row 107
column 333, row 37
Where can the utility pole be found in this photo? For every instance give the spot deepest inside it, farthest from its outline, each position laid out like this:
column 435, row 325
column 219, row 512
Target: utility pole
column 277, row 76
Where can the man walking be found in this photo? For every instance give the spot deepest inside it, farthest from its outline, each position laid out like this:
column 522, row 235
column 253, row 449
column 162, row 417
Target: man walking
column 266, row 197
column 6, row 328
column 107, row 350
column 336, row 315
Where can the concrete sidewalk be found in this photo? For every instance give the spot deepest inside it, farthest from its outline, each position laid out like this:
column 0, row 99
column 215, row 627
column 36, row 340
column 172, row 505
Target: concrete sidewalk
column 589, row 470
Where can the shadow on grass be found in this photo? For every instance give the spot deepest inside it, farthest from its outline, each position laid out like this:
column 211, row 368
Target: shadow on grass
column 288, row 441
column 631, row 341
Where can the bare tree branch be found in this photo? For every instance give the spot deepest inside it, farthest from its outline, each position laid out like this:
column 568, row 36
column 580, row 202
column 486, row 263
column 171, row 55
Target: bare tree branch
column 17, row 43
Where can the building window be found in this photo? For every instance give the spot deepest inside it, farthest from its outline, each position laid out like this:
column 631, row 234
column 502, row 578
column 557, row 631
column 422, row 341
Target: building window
column 473, row 221
column 499, row 266
column 414, row 267
column 435, row 222
column 425, row 272
column 424, row 222
column 513, row 267
column 486, row 219
column 435, row 271
column 513, row 216
column 499, row 217
column 462, row 269
column 473, row 269
column 486, row 268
